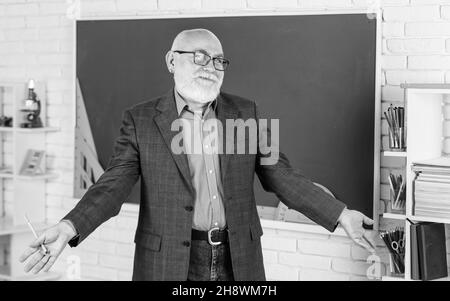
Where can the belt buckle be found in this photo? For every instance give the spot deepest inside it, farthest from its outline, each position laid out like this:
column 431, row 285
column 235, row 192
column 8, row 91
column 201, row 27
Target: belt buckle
column 213, row 243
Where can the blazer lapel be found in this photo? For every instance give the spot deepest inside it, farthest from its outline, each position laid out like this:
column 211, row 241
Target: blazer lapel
column 164, row 120
column 225, row 110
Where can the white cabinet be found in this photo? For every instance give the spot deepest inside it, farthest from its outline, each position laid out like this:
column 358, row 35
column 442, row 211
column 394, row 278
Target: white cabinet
column 425, row 107
column 20, row 194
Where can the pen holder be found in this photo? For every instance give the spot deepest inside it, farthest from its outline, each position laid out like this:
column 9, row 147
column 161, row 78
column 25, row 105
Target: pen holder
column 396, row 265
column 397, row 201
column 397, row 139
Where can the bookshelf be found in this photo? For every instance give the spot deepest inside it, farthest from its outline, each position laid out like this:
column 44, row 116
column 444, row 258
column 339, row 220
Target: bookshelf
column 400, row 154
column 20, row 194
column 424, row 105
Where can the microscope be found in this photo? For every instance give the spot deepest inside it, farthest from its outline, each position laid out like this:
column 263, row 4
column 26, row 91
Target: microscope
column 32, row 109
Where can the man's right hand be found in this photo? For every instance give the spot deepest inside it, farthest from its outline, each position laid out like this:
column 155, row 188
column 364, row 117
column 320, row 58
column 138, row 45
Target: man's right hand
column 55, row 240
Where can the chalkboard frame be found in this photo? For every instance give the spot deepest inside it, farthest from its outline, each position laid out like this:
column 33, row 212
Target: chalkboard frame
column 375, row 13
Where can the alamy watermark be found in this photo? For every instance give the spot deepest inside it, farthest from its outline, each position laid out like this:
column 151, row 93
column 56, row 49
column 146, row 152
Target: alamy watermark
column 374, row 271
column 210, row 136
column 73, row 271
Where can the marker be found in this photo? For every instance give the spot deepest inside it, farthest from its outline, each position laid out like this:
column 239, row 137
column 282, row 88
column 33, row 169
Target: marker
column 396, row 117
column 388, row 120
column 401, row 116
column 44, row 249
column 392, row 185
column 399, row 192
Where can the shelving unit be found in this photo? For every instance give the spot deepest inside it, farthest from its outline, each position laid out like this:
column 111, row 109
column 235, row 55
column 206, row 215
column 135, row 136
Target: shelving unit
column 394, row 154
column 424, row 124
column 28, row 191
column 394, row 216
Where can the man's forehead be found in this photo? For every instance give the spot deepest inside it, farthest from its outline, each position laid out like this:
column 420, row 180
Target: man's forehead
column 199, row 40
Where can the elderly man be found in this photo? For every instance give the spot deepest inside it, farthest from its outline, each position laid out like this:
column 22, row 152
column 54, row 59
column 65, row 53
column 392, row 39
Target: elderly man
column 198, row 218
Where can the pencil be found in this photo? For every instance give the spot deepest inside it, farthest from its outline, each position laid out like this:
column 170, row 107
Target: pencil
column 44, row 249
column 399, row 192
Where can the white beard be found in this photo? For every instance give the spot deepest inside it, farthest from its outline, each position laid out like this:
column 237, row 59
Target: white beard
column 197, row 92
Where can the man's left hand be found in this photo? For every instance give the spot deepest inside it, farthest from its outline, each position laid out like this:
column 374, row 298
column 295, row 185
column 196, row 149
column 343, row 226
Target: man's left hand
column 352, row 222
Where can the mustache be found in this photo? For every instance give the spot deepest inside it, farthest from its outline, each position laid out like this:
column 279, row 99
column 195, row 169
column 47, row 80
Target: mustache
column 208, row 76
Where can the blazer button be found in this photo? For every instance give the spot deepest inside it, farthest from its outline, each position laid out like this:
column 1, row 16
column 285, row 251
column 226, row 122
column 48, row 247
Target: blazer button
column 189, row 208
column 186, row 243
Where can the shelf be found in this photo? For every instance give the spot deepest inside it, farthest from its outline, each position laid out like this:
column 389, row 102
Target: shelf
column 401, row 154
column 7, row 227
column 43, row 276
column 393, row 278
column 442, row 279
column 29, row 131
column 38, row 177
column 428, row 88
column 37, row 130
column 23, row 177
column 429, row 219
column 6, row 175
column 394, row 216
column 4, row 271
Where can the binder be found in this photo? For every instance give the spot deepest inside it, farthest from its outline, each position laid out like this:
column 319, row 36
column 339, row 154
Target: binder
column 432, row 253
column 415, row 265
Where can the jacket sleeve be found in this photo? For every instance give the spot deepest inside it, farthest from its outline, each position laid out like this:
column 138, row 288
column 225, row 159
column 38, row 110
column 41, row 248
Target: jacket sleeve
column 292, row 187
column 104, row 199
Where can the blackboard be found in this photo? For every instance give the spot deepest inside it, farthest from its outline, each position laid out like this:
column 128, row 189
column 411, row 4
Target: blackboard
column 316, row 73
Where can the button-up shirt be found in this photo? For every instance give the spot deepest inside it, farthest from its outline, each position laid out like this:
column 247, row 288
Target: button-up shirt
column 198, row 141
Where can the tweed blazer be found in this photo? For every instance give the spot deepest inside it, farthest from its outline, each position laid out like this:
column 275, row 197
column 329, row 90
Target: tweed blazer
column 143, row 150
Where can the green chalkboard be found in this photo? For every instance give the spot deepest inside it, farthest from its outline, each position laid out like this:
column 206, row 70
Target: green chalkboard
column 316, row 73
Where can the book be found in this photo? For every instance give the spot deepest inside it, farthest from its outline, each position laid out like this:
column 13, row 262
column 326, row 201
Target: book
column 431, row 208
column 427, row 213
column 433, row 176
column 432, row 250
column 439, row 162
column 434, row 186
column 415, row 265
column 432, row 200
column 32, row 162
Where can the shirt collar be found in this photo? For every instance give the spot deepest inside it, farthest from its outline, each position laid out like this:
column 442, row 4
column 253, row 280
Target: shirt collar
column 182, row 105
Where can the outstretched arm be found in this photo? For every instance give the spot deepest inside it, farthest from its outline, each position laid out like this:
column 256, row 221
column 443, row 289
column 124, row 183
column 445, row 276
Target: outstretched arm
column 102, row 201
column 301, row 194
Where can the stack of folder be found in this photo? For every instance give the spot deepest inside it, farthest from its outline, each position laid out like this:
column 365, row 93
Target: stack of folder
column 432, row 188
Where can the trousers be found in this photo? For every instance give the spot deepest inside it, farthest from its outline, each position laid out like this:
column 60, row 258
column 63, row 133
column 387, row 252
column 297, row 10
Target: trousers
column 210, row 263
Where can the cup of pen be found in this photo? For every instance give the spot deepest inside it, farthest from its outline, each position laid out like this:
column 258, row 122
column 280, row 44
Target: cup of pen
column 395, row 117
column 397, row 194
column 397, row 139
column 395, row 266
column 395, row 243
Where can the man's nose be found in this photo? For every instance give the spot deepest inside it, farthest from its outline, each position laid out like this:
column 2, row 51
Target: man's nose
column 209, row 66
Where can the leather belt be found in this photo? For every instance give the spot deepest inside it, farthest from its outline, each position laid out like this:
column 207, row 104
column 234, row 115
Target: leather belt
column 214, row 236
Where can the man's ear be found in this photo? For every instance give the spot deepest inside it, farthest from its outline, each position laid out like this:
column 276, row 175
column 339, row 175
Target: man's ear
column 170, row 61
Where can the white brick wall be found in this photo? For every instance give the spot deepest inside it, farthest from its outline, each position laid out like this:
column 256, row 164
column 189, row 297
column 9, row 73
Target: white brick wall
column 36, row 40
column 136, row 5
column 179, row 4
column 316, row 256
column 411, row 13
column 219, row 4
column 400, row 46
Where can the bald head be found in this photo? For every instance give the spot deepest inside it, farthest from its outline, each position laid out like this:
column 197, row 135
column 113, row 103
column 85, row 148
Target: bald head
column 196, row 38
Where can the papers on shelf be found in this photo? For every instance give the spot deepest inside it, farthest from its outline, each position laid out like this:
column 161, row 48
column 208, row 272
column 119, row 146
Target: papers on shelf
column 5, row 169
column 432, row 187
column 436, row 165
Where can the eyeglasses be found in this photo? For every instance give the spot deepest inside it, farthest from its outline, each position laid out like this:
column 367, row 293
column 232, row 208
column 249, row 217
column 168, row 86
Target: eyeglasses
column 203, row 59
